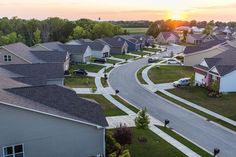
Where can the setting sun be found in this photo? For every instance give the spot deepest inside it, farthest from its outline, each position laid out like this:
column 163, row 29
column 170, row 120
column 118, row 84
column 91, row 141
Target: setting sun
column 177, row 15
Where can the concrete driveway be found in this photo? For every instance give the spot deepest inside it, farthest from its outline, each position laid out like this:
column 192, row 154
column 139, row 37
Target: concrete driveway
column 202, row 132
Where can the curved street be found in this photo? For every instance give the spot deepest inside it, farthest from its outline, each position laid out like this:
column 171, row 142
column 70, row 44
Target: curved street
column 204, row 133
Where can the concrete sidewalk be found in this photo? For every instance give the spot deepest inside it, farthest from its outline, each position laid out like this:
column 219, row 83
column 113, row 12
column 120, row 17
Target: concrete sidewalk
column 232, row 122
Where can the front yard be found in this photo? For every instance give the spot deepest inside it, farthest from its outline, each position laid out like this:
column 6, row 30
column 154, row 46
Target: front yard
column 166, row 74
column 89, row 67
column 122, row 56
column 152, row 49
column 111, row 61
column 79, row 81
column 140, row 53
column 154, row 147
column 108, row 108
column 224, row 105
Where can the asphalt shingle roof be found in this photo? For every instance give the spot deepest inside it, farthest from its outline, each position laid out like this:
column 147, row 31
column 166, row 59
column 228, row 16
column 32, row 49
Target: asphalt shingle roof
column 22, row 51
column 54, row 46
column 75, row 49
column 51, row 56
column 61, row 101
column 113, row 42
column 48, row 70
column 97, row 46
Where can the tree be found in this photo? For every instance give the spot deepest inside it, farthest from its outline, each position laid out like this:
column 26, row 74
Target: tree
column 209, row 28
column 215, row 86
column 142, row 121
column 153, row 29
column 123, row 135
column 111, row 143
column 37, row 36
column 78, row 32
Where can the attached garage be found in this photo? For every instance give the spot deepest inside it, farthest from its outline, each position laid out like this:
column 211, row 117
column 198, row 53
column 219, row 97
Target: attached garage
column 199, row 78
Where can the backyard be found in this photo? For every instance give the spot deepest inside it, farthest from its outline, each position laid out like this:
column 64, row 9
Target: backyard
column 108, row 108
column 166, row 74
column 224, row 105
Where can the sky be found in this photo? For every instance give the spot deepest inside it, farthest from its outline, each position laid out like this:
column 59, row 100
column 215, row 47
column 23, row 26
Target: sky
column 218, row 10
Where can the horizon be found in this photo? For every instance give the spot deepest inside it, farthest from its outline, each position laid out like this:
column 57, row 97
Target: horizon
column 128, row 10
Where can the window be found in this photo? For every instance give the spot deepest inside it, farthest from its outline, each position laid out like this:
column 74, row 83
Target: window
column 7, row 58
column 13, row 151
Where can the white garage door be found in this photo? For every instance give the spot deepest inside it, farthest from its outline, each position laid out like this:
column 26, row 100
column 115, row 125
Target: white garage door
column 199, row 78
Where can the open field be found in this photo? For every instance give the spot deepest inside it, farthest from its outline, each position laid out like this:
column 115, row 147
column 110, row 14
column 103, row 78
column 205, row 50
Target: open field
column 136, row 30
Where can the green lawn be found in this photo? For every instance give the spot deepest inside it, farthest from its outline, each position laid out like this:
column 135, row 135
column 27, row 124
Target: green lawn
column 140, row 53
column 136, row 110
column 225, row 105
column 136, row 30
column 108, row 108
column 88, row 67
column 166, row 74
column 109, row 69
column 154, row 147
column 104, row 82
column 111, row 61
column 185, row 142
column 122, row 56
column 79, row 81
column 140, row 77
column 203, row 114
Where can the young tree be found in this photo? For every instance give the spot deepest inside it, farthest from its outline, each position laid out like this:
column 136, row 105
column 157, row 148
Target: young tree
column 153, row 29
column 111, row 143
column 123, row 135
column 215, row 85
column 142, row 121
column 37, row 36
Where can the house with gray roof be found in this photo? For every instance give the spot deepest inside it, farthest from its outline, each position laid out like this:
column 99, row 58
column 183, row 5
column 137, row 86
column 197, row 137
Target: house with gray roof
column 221, row 68
column 78, row 41
column 17, row 53
column 168, row 38
column 133, row 44
column 79, row 53
column 209, row 48
column 195, row 39
column 116, row 46
column 145, row 40
column 51, row 73
column 48, row 46
column 50, row 121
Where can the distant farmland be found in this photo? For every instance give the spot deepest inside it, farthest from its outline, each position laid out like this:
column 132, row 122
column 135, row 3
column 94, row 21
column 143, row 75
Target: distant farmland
column 136, row 30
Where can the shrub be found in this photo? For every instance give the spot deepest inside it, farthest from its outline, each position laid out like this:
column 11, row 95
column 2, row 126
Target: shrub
column 124, row 153
column 142, row 121
column 111, row 144
column 123, row 135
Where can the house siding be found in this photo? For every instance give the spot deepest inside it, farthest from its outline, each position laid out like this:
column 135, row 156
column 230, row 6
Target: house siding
column 48, row 136
column 14, row 59
column 59, row 82
column 227, row 82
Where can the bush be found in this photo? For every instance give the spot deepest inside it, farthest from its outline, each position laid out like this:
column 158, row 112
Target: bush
column 111, row 144
column 142, row 121
column 123, row 135
column 124, row 153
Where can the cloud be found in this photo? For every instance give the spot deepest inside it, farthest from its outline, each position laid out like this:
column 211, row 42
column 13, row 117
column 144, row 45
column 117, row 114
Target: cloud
column 215, row 7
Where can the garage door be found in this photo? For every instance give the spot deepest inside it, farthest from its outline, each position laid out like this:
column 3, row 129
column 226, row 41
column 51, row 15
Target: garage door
column 199, row 78
column 87, row 59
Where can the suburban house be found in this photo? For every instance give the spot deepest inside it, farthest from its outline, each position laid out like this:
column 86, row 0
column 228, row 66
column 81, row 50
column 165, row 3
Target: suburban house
column 78, row 42
column 195, row 39
column 62, row 57
column 168, row 38
column 195, row 54
column 221, row 67
column 133, row 44
column 145, row 40
column 49, row 46
column 17, row 53
column 79, row 53
column 49, row 120
column 50, row 73
column 117, row 46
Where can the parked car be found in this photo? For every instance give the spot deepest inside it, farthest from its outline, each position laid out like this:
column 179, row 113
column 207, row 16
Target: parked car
column 173, row 61
column 182, row 82
column 100, row 60
column 67, row 73
column 81, row 72
column 153, row 60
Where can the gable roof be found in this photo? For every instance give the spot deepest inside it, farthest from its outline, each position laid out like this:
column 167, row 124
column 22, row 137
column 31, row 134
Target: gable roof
column 61, row 101
column 112, row 42
column 48, row 70
column 23, row 51
column 33, row 81
column 128, row 38
column 51, row 56
column 197, row 36
column 166, row 35
column 96, row 46
column 54, row 46
column 75, row 49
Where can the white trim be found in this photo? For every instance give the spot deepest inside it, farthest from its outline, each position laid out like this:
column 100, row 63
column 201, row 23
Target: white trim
column 13, row 146
column 16, row 54
column 53, row 115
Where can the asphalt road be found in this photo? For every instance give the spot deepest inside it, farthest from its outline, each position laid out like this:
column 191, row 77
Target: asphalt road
column 204, row 133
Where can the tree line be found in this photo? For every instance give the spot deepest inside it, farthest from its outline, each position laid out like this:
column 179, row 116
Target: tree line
column 34, row 31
